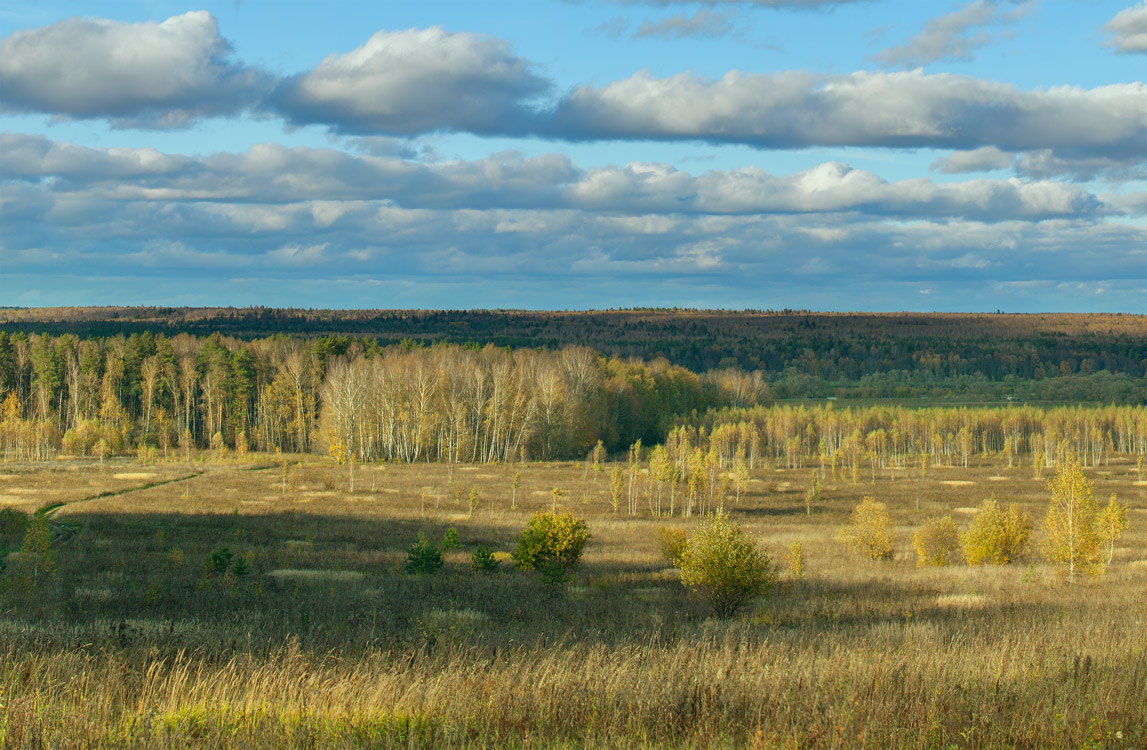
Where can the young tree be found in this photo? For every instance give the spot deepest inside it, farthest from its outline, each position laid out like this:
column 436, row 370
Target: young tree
column 937, row 542
column 725, row 565
column 1073, row 540
column 1109, row 524
column 616, row 487
column 870, row 531
column 551, row 544
column 996, row 536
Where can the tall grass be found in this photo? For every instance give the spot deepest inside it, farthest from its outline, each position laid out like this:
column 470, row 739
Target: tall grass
column 326, row 644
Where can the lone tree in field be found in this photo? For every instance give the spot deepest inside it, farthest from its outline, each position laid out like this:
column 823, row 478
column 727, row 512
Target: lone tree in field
column 724, row 565
column 551, row 544
column 1073, row 543
column 869, row 532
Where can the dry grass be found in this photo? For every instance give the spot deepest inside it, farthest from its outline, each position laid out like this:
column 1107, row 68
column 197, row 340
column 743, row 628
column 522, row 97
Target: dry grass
column 325, row 643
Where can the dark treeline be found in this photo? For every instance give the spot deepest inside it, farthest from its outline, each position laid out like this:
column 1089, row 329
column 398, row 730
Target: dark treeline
column 870, row 355
column 101, row 396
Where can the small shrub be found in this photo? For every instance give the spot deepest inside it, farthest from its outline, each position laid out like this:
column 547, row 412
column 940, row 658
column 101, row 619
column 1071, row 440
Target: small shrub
column 551, row 544
column 795, row 560
column 937, row 542
column 219, row 560
column 725, row 566
column 423, row 557
column 482, row 561
column 672, row 542
column 449, row 539
column 997, row 536
column 869, row 531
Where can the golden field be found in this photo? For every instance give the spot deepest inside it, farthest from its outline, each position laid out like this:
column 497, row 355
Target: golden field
column 323, row 641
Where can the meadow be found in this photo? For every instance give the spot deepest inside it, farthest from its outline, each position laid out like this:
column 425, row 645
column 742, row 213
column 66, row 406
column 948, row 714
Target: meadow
column 262, row 603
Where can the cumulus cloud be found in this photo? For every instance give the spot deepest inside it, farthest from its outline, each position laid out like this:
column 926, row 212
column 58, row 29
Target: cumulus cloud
column 953, row 36
column 905, row 109
column 146, row 75
column 415, row 81
column 269, row 173
column 1128, row 30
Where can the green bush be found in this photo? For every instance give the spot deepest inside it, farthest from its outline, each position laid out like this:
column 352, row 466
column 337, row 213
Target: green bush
column 423, row 556
column 997, row 536
column 449, row 539
column 937, row 542
column 725, row 566
column 482, row 561
column 551, row 544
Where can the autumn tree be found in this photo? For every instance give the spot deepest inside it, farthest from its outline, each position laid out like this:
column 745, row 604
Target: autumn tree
column 1110, row 524
column 996, row 536
column 1073, row 543
column 870, row 531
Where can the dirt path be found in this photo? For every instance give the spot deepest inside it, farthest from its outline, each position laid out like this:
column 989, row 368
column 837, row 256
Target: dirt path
column 63, row 533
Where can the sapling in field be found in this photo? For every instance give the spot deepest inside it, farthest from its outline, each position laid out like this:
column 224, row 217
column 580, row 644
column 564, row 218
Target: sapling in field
column 551, row 544
column 725, row 566
column 937, row 542
column 870, row 532
column 1072, row 544
column 997, row 535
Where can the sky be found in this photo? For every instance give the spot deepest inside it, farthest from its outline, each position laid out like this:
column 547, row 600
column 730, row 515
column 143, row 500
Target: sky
column 837, row 155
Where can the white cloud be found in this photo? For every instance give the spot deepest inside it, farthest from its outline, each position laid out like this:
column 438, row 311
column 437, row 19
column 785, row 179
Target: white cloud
column 705, row 24
column 272, row 174
column 983, row 159
column 953, row 36
column 415, row 81
column 149, row 75
column 797, row 110
column 1128, row 29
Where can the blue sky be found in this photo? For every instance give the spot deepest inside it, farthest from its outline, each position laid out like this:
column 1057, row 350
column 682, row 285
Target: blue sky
column 819, row 154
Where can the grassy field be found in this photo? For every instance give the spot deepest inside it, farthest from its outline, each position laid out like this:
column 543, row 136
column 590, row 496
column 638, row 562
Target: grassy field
column 320, row 639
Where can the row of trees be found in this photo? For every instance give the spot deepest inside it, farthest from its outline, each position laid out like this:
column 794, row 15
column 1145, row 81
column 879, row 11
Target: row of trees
column 885, row 436
column 457, row 403
column 404, row 402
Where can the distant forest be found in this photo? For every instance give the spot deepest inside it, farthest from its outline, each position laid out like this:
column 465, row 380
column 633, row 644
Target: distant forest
column 1050, row 358
column 506, row 386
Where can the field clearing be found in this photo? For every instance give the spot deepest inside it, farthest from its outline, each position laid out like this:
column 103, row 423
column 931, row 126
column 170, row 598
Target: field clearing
column 323, row 641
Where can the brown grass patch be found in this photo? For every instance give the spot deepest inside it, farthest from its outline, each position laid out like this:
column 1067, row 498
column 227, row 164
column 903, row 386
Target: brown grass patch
column 133, row 475
column 962, row 601
column 957, row 482
column 997, row 479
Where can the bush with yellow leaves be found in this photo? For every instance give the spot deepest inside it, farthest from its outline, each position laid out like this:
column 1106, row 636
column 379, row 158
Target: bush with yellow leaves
column 997, row 536
column 870, row 532
column 937, row 542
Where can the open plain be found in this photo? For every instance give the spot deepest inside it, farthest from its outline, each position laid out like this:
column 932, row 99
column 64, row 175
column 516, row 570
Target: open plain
column 310, row 634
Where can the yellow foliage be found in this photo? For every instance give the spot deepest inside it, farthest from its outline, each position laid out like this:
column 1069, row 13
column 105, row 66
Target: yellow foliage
column 937, row 542
column 672, row 542
column 1073, row 543
column 724, row 565
column 870, row 532
column 997, row 536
